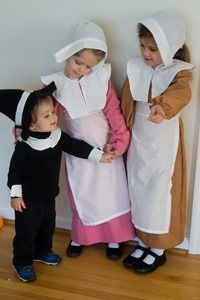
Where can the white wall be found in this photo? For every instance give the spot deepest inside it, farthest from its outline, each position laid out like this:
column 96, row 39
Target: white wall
column 32, row 31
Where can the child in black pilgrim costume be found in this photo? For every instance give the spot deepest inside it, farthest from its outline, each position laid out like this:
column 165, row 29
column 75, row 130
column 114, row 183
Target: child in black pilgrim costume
column 156, row 90
column 34, row 174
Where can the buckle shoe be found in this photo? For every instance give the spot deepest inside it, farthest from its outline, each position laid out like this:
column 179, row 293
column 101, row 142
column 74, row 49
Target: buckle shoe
column 114, row 253
column 143, row 268
column 74, row 251
column 131, row 261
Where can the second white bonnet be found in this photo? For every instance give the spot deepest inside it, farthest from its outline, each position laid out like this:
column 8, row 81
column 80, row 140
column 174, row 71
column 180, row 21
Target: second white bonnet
column 168, row 31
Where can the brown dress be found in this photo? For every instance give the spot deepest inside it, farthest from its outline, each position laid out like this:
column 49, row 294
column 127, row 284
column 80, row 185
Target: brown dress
column 177, row 95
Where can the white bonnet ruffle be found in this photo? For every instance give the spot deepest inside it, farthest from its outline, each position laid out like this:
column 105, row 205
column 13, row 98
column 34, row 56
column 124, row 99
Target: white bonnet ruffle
column 83, row 35
column 168, row 31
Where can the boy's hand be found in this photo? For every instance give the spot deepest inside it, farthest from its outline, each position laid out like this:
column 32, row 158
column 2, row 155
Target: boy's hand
column 157, row 114
column 18, row 204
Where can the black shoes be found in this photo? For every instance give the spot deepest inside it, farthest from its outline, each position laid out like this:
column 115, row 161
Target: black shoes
column 74, row 251
column 143, row 268
column 111, row 253
column 140, row 266
column 114, row 253
column 130, row 261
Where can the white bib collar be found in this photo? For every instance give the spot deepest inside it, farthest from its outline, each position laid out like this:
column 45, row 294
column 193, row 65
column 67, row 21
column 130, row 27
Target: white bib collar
column 81, row 97
column 141, row 76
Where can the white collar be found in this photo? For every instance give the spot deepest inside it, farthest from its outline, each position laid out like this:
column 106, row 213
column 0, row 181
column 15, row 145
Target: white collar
column 81, row 97
column 141, row 76
column 42, row 144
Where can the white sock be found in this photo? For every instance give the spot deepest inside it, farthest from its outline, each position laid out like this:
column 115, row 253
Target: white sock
column 149, row 259
column 113, row 245
column 159, row 252
column 138, row 252
column 74, row 244
column 140, row 243
column 135, row 239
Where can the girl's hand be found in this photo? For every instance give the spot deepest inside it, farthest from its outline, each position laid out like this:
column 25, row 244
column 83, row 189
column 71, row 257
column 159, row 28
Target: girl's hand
column 107, row 157
column 157, row 114
column 110, row 149
column 117, row 153
column 18, row 204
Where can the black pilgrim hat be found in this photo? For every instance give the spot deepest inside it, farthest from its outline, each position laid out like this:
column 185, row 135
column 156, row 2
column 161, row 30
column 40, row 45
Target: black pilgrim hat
column 17, row 104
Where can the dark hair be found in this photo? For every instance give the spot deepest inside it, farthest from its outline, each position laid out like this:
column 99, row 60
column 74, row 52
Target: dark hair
column 182, row 53
column 40, row 99
column 98, row 53
column 32, row 116
column 143, row 31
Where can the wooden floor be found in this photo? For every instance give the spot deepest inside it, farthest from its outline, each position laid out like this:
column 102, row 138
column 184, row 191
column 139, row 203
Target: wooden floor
column 93, row 277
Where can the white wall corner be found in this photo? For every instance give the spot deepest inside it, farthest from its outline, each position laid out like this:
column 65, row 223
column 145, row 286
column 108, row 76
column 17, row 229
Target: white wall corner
column 194, row 241
column 184, row 245
column 7, row 213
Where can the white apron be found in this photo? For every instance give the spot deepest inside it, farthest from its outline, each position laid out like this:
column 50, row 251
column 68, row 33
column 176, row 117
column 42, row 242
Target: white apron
column 150, row 164
column 99, row 190
column 153, row 148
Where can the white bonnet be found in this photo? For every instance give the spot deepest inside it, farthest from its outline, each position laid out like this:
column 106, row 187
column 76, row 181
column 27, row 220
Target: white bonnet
column 168, row 31
column 83, row 35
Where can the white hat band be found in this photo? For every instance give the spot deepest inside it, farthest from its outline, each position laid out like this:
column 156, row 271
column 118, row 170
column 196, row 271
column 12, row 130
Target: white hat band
column 78, row 45
column 20, row 108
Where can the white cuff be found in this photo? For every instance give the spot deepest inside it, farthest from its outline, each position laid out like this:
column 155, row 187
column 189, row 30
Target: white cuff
column 95, row 154
column 16, row 191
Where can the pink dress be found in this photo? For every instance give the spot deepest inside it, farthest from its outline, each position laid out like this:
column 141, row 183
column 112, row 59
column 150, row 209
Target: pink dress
column 98, row 192
column 120, row 228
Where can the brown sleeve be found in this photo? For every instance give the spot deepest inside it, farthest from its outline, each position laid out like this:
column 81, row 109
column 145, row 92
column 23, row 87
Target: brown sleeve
column 127, row 104
column 177, row 95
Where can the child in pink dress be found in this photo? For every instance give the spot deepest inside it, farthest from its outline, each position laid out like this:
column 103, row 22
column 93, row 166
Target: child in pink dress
column 98, row 193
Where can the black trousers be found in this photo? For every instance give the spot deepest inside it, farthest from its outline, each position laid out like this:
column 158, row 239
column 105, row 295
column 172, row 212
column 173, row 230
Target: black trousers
column 34, row 231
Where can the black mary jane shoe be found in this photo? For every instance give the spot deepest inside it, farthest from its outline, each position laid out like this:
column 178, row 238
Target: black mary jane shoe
column 74, row 251
column 114, row 253
column 130, row 261
column 143, row 268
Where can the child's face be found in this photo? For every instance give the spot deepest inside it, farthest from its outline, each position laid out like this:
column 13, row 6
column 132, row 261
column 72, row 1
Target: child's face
column 78, row 66
column 150, row 52
column 46, row 118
